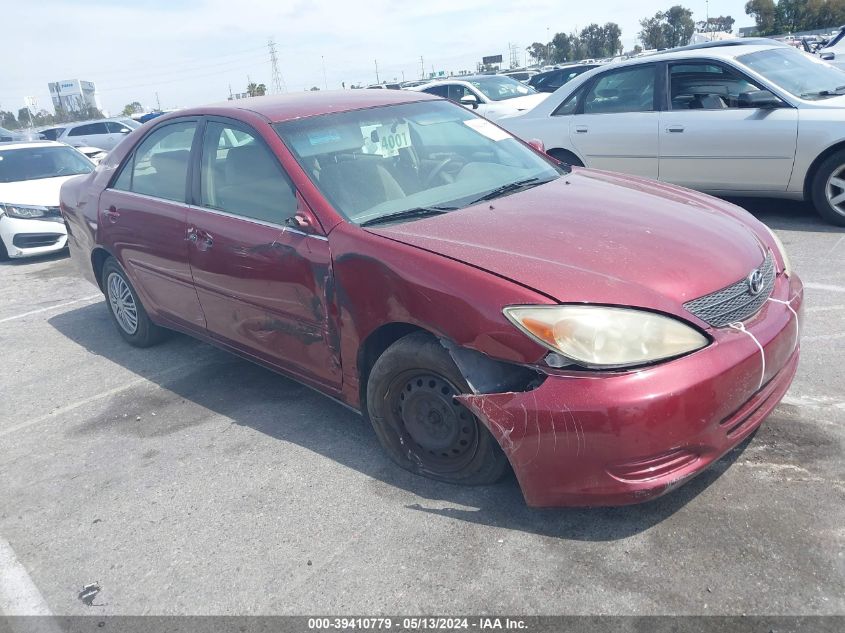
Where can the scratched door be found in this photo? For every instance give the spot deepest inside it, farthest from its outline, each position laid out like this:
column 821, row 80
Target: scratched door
column 263, row 284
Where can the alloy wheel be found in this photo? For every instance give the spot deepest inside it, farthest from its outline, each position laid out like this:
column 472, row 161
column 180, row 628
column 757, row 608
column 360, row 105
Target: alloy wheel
column 835, row 190
column 122, row 303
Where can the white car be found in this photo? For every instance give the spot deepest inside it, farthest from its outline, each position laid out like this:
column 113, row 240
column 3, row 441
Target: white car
column 834, row 51
column 104, row 134
column 491, row 96
column 724, row 118
column 31, row 175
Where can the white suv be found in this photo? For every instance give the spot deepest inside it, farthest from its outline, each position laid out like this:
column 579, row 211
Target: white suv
column 103, row 134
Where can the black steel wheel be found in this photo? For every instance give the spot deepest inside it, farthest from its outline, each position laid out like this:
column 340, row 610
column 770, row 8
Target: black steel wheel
column 411, row 404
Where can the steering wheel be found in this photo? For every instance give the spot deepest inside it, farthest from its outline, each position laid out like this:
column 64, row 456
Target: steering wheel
column 438, row 169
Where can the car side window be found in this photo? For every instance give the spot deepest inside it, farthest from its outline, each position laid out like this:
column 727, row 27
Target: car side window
column 240, row 175
column 116, row 128
column 569, row 105
column 88, row 129
column 706, row 87
column 159, row 165
column 440, row 91
column 457, row 92
column 627, row 90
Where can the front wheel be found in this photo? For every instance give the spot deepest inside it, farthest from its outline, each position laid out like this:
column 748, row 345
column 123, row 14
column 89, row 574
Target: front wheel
column 410, row 402
column 125, row 308
column 828, row 189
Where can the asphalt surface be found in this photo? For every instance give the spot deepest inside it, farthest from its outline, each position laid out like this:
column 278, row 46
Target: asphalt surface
column 184, row 480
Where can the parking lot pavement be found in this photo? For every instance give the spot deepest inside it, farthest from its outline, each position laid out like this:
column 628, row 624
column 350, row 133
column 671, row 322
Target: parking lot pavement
column 185, row 480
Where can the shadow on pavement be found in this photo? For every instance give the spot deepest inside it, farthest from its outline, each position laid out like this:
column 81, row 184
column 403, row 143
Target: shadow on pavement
column 790, row 215
column 252, row 396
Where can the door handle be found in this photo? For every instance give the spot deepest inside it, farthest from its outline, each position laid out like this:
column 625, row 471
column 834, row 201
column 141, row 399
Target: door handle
column 675, row 129
column 112, row 214
column 581, row 129
column 191, row 235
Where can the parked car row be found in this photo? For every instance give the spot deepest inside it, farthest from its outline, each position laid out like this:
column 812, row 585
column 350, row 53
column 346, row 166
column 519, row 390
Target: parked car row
column 757, row 119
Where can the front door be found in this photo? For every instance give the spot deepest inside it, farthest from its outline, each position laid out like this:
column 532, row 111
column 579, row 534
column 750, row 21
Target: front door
column 615, row 126
column 710, row 140
column 142, row 222
column 264, row 286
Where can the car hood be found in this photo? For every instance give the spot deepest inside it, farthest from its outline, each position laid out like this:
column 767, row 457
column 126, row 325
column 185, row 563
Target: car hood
column 598, row 237
column 41, row 192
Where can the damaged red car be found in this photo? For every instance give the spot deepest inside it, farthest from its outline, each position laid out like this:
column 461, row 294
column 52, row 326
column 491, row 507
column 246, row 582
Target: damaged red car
column 606, row 337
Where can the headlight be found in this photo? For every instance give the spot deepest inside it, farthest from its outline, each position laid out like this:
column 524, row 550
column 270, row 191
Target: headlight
column 22, row 210
column 787, row 265
column 603, row 337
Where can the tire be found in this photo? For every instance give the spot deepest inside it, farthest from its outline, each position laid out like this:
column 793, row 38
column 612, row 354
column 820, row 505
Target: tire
column 411, row 407
column 824, row 190
column 126, row 309
column 4, row 254
column 565, row 156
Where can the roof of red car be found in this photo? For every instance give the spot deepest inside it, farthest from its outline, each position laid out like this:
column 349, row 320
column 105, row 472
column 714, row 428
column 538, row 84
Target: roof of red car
column 302, row 104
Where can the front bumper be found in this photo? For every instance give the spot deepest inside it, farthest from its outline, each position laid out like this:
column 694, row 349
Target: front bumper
column 29, row 237
column 595, row 439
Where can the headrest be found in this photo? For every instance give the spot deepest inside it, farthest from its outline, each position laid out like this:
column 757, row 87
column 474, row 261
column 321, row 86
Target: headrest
column 249, row 163
column 165, row 161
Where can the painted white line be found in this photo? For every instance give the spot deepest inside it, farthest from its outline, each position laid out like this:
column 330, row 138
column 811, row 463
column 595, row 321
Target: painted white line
column 824, row 308
column 105, row 394
column 822, row 337
column 18, row 594
column 47, row 309
column 829, row 287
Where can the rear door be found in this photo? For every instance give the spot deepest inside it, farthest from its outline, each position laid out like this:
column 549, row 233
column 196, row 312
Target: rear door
column 264, row 286
column 709, row 142
column 116, row 132
column 615, row 124
column 142, row 222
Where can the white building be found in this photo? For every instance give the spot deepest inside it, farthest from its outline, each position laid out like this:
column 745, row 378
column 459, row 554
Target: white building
column 73, row 95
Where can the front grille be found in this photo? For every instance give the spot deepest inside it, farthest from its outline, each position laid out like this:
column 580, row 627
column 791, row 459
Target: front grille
column 34, row 240
column 734, row 303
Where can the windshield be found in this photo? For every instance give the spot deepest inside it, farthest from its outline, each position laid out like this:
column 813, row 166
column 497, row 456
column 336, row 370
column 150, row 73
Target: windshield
column 33, row 163
column 500, row 87
column 418, row 156
column 799, row 74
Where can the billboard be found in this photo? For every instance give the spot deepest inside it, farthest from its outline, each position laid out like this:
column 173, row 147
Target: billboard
column 492, row 59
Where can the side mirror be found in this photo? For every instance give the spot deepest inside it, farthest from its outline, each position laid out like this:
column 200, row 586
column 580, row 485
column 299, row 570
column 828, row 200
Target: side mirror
column 762, row 99
column 828, row 57
column 125, row 130
column 304, row 219
column 469, row 100
column 537, row 144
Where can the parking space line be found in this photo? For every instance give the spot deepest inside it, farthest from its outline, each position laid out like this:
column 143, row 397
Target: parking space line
column 47, row 309
column 18, row 594
column 105, row 394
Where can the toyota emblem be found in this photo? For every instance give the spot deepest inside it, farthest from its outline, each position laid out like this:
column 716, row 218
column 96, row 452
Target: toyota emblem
column 755, row 282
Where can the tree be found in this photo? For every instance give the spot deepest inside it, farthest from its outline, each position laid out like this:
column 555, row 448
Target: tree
column 721, row 24
column 566, row 48
column 764, row 14
column 667, row 29
column 652, row 35
column 132, row 108
column 24, row 117
column 8, row 120
column 593, row 38
column 538, row 52
column 314, row 89
column 256, row 90
column 612, row 39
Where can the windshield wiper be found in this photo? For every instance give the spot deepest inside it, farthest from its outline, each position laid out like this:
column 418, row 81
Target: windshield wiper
column 511, row 187
column 407, row 214
column 825, row 93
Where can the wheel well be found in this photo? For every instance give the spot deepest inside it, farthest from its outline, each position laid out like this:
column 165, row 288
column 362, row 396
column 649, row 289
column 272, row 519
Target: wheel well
column 374, row 346
column 811, row 172
column 564, row 155
column 98, row 259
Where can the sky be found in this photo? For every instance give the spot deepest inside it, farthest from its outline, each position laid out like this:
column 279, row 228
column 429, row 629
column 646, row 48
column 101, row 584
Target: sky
column 188, row 52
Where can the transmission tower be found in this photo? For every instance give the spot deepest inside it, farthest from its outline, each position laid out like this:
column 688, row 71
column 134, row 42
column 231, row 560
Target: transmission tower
column 278, row 80
column 513, row 49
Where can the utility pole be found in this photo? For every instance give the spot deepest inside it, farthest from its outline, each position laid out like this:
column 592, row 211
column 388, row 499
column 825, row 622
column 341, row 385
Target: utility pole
column 325, row 81
column 377, row 79
column 422, row 68
column 278, row 81
column 158, row 103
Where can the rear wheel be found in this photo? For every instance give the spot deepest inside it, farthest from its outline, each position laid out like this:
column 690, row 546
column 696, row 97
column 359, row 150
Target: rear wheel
column 828, row 189
column 410, row 401
column 132, row 321
column 4, row 254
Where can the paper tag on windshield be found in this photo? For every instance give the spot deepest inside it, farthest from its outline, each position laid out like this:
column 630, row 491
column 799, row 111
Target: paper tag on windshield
column 487, row 129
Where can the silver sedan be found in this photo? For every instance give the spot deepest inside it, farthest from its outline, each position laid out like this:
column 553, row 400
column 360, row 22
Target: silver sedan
column 738, row 119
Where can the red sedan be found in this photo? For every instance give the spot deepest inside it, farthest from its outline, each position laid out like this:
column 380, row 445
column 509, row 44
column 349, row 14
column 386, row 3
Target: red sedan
column 606, row 337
